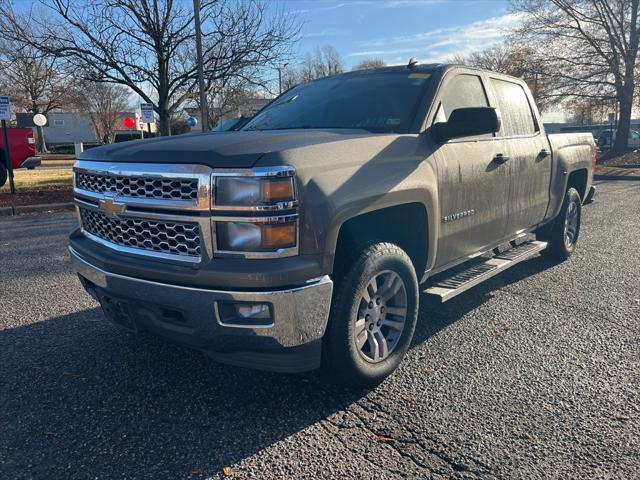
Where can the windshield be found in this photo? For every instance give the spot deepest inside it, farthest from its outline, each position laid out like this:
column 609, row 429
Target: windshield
column 384, row 102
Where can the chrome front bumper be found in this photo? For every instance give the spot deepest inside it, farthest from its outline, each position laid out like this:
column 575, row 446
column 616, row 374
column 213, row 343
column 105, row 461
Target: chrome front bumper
column 299, row 314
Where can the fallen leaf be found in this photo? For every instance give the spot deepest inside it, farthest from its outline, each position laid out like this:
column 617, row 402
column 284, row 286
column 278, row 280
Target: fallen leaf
column 280, row 435
column 428, row 370
column 408, row 398
column 198, row 470
column 50, row 434
column 226, row 471
column 383, row 439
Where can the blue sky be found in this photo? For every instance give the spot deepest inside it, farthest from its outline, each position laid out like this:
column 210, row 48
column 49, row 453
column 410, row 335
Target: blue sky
column 395, row 30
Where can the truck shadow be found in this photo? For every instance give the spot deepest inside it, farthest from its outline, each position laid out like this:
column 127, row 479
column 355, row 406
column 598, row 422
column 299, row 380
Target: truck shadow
column 80, row 398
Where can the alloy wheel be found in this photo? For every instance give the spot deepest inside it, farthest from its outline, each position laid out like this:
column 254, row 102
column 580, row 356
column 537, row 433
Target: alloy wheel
column 381, row 316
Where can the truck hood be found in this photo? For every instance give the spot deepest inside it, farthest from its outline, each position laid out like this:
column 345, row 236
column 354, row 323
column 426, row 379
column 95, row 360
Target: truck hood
column 217, row 149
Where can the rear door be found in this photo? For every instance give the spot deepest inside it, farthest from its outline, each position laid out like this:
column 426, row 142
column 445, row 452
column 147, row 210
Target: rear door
column 529, row 163
column 473, row 188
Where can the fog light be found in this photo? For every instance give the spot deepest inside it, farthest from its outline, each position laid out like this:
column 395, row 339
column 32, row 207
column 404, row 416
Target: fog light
column 256, row 310
column 245, row 314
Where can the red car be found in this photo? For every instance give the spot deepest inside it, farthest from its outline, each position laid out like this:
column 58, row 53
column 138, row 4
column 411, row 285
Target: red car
column 22, row 148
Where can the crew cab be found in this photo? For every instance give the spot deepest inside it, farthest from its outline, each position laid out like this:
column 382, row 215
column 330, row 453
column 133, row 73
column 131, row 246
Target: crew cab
column 308, row 238
column 22, row 150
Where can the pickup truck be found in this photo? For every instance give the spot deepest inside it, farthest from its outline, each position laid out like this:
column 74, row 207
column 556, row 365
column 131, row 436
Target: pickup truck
column 308, row 238
column 22, row 149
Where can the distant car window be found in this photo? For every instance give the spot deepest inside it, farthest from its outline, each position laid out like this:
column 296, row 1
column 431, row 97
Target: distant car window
column 517, row 116
column 58, row 123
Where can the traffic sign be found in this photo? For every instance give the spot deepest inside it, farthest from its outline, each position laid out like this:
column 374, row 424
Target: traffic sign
column 5, row 108
column 146, row 110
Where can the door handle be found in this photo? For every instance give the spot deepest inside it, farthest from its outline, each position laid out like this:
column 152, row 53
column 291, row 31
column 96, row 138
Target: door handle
column 500, row 158
column 544, row 153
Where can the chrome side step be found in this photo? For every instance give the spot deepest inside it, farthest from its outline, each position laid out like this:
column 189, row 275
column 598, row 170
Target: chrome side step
column 447, row 288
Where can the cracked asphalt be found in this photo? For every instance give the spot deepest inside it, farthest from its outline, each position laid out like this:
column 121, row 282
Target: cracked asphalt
column 535, row 374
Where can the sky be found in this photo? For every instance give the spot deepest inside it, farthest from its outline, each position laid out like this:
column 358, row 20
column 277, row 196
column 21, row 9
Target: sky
column 396, row 30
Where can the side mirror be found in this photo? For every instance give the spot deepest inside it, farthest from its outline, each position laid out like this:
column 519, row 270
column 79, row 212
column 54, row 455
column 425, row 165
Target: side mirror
column 468, row 122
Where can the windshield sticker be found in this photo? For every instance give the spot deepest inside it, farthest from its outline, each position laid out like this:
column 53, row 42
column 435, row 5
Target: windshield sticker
column 393, row 121
column 421, row 76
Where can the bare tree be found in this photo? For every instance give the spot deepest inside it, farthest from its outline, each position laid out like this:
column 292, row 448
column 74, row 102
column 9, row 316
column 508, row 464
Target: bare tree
column 148, row 45
column 36, row 82
column 323, row 62
column 231, row 100
column 367, row 64
column 590, row 47
column 105, row 103
column 512, row 58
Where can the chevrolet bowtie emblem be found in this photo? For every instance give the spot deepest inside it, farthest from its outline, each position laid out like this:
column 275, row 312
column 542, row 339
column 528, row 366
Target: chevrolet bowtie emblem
column 111, row 207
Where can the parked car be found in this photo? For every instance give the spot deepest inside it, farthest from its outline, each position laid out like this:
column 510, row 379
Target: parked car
column 606, row 138
column 305, row 239
column 22, row 149
column 230, row 124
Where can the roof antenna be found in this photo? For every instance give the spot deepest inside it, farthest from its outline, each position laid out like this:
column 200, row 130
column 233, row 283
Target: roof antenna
column 413, row 61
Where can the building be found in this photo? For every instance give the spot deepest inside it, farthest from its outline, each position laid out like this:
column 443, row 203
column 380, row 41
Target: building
column 68, row 128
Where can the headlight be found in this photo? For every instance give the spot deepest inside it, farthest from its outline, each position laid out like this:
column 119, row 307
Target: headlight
column 238, row 236
column 253, row 191
column 256, row 194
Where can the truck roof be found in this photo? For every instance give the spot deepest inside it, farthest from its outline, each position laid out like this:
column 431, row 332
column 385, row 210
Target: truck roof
column 427, row 67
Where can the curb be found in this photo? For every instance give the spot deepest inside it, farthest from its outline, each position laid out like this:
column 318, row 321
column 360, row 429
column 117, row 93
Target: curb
column 616, row 177
column 45, row 207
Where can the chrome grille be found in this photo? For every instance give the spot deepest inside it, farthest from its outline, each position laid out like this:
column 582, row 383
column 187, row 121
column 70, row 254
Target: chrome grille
column 139, row 186
column 156, row 236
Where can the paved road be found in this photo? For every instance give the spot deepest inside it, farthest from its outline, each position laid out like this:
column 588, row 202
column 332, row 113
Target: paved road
column 533, row 375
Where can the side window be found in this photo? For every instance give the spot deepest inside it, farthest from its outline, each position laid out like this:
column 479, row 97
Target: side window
column 463, row 91
column 517, row 116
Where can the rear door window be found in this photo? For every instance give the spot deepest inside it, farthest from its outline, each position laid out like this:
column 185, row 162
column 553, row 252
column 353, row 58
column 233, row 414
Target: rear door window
column 517, row 116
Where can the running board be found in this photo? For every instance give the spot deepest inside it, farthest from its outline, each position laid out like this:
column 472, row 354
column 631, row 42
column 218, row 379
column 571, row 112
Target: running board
column 447, row 288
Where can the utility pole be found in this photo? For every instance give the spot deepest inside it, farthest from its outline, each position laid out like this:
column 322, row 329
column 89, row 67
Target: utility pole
column 203, row 94
column 280, row 77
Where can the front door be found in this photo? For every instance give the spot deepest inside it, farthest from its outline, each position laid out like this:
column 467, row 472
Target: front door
column 473, row 186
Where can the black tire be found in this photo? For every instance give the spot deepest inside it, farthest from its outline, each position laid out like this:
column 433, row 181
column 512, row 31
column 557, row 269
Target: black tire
column 556, row 233
column 3, row 175
column 342, row 360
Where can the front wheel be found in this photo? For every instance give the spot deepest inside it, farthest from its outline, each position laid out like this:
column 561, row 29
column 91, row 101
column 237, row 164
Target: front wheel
column 562, row 234
column 3, row 175
column 373, row 316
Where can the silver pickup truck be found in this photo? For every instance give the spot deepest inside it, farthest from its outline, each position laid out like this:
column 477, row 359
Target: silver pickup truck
column 307, row 238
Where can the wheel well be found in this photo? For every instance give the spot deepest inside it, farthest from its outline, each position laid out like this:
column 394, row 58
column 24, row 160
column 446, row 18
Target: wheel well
column 405, row 225
column 578, row 180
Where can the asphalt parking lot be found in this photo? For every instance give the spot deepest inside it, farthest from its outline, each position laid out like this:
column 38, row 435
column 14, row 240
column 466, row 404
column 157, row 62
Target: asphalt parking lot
column 535, row 374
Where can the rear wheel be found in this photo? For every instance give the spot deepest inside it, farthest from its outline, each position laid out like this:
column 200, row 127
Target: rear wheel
column 373, row 316
column 562, row 234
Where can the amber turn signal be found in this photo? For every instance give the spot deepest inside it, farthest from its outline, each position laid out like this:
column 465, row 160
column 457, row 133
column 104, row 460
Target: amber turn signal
column 279, row 236
column 277, row 190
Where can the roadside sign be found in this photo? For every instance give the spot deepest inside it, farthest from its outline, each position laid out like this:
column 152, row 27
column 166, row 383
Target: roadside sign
column 146, row 110
column 612, row 118
column 5, row 108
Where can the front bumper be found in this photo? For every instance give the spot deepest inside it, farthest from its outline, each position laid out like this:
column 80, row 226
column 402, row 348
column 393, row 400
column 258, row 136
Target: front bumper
column 31, row 162
column 190, row 316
